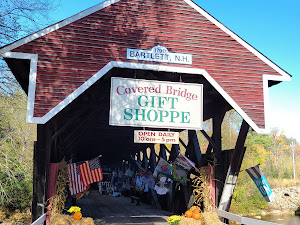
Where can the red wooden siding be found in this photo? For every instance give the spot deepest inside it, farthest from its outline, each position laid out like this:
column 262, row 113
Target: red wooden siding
column 71, row 55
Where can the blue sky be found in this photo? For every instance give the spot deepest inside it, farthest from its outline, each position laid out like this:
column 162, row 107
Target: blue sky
column 270, row 26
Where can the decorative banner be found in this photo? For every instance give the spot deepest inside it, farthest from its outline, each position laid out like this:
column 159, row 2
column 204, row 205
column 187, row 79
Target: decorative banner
column 162, row 167
column 159, row 54
column 129, row 173
column 259, row 179
column 179, row 174
column 148, row 180
column 148, row 103
column 183, row 162
column 162, row 185
column 162, row 137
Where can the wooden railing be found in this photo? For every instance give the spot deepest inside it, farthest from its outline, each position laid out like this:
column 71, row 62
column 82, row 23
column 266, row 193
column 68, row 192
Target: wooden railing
column 242, row 220
column 40, row 220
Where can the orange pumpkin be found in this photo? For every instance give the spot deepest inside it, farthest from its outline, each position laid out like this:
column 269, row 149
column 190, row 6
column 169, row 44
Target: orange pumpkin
column 77, row 216
column 196, row 216
column 188, row 213
column 195, row 209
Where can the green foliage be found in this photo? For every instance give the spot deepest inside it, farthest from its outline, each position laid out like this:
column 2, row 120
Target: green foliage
column 273, row 153
column 16, row 143
column 246, row 198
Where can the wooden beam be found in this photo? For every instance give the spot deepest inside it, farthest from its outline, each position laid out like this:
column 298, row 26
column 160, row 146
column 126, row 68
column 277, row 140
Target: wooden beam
column 174, row 152
column 217, row 138
column 41, row 163
column 145, row 162
column 209, row 139
column 162, row 152
column 65, row 126
column 193, row 148
column 152, row 159
column 197, row 150
column 234, row 168
column 155, row 198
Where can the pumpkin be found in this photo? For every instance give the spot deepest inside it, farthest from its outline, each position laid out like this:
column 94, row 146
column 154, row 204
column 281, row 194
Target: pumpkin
column 77, row 216
column 188, row 213
column 195, row 209
column 196, row 216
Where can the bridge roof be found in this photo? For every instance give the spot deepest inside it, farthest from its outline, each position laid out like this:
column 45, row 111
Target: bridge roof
column 57, row 64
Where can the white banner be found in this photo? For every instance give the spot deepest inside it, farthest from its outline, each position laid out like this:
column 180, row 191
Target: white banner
column 146, row 103
column 162, row 137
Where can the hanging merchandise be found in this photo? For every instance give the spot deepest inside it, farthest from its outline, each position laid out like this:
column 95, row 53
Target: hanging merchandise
column 91, row 171
column 127, row 184
column 162, row 167
column 179, row 174
column 75, row 183
column 259, row 179
column 129, row 173
column 162, row 185
column 139, row 186
column 184, row 162
column 148, row 180
column 120, row 173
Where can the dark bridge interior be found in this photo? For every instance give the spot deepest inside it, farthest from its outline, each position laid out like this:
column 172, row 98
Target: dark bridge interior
column 82, row 129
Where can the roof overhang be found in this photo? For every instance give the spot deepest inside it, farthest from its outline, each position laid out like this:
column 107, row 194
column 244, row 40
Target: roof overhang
column 42, row 120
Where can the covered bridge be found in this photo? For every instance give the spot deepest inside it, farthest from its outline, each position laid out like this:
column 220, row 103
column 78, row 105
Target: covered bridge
column 66, row 70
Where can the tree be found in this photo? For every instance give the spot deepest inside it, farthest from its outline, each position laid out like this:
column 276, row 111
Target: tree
column 19, row 18
column 16, row 147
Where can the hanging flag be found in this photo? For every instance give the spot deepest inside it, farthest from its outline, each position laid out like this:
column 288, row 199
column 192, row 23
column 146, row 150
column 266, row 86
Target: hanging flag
column 91, row 171
column 129, row 173
column 162, row 167
column 179, row 174
column 184, row 162
column 259, row 179
column 75, row 184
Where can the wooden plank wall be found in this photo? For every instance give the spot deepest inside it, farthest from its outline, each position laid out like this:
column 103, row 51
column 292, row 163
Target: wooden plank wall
column 86, row 45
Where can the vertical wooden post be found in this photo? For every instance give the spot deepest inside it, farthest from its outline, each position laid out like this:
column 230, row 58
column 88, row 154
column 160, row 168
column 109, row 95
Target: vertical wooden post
column 41, row 164
column 193, row 148
column 145, row 159
column 174, row 152
column 162, row 152
column 234, row 168
column 152, row 160
column 219, row 168
column 197, row 149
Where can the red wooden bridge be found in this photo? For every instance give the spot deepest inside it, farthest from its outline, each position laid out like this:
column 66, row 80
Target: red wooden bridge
column 66, row 70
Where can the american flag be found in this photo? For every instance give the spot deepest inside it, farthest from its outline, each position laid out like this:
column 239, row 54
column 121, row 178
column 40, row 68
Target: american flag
column 91, row 171
column 75, row 184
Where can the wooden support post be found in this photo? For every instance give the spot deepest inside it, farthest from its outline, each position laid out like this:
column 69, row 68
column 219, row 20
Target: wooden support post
column 174, row 152
column 187, row 191
column 219, row 168
column 197, row 150
column 145, row 159
column 162, row 152
column 234, row 168
column 152, row 160
column 155, row 198
column 42, row 152
column 190, row 150
column 209, row 139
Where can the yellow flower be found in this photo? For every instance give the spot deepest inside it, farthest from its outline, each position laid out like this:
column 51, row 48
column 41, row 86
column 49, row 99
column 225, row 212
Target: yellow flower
column 74, row 209
column 174, row 220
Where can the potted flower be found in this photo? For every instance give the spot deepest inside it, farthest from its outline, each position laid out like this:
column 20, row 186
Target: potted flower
column 75, row 212
column 174, row 220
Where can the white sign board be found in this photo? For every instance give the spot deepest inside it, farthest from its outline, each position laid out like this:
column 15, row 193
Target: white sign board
column 159, row 54
column 145, row 103
column 162, row 137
